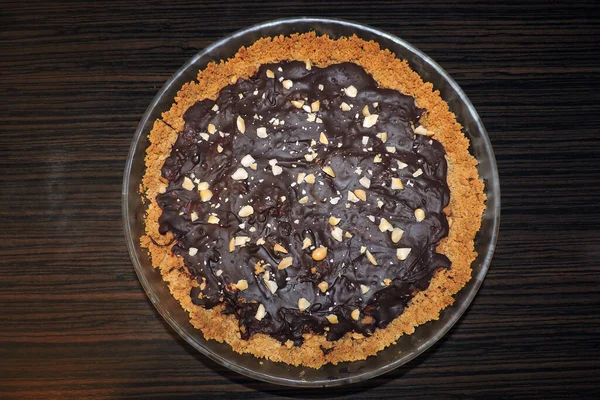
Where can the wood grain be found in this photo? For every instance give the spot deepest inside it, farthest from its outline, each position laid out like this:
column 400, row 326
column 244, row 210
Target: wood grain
column 75, row 78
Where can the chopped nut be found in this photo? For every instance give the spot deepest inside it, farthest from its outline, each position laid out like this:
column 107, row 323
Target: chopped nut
column 361, row 194
column 323, row 138
column 419, row 214
column 219, row 148
column 213, row 220
column 371, row 257
column 323, row 286
column 363, row 249
column 303, row 304
column 327, row 169
column 352, row 197
column 285, row 262
column 366, row 182
column 246, row 211
column 261, row 132
column 187, row 184
column 193, row 216
column 385, row 226
column 332, row 318
column 391, row 149
column 418, row 173
column 306, row 108
column 192, row 251
column 242, row 284
column 300, row 178
column 206, row 195
column 383, row 136
column 387, row 281
column 401, row 165
column 205, row 136
column 240, row 174
column 365, row 111
column 241, row 125
column 211, row 128
column 334, row 221
column 260, row 241
column 420, row 130
column 232, row 245
column 310, row 178
column 272, row 286
column 287, row 83
column 315, row 105
column 303, row 200
column 377, row 158
column 253, row 166
column 308, row 65
column 348, row 234
column 397, row 235
column 270, row 74
column 337, row 234
column 371, row 218
column 319, row 253
column 310, row 157
column 397, row 184
column 402, row 253
column 277, row 170
column 370, row 120
column 311, row 117
column 379, row 203
column 280, row 248
column 364, row 289
column 355, row 314
column 306, row 243
column 241, row 240
column 297, row 103
column 260, row 312
column 247, row 160
column 351, row 91
column 345, row 107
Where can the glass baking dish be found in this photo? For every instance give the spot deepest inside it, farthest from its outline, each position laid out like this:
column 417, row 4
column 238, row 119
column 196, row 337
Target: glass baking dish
column 408, row 346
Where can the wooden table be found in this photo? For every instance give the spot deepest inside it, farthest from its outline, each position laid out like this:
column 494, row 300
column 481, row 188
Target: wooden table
column 75, row 80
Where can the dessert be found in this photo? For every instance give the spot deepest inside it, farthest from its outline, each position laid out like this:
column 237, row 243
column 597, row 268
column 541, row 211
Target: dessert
column 310, row 200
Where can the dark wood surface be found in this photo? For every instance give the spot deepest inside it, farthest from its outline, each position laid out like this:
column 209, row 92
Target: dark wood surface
column 75, row 79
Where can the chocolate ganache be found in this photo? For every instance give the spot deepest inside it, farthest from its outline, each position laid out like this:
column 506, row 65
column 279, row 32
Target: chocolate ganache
column 306, row 199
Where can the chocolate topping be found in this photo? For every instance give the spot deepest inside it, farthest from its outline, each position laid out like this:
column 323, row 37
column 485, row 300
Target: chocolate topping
column 279, row 127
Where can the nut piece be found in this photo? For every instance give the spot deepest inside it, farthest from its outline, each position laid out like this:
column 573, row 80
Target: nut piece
column 193, row 216
column 192, row 251
column 277, row 170
column 285, row 262
column 246, row 211
column 383, row 136
column 366, row 182
column 352, row 197
column 401, row 165
column 303, row 304
column 355, row 314
column 206, row 195
column 334, row 221
column 371, row 257
column 303, row 200
column 377, row 158
column 385, row 226
column 370, row 120
column 241, row 240
column 323, row 286
column 241, row 125
column 397, row 184
column 418, row 173
column 315, row 105
column 297, row 103
column 261, row 132
column 310, row 178
column 397, row 235
column 247, row 161
column 337, row 234
column 300, row 178
column 260, row 241
column 361, row 194
column 402, row 253
column 306, row 243
column 332, row 318
column 187, row 184
column 240, row 174
column 211, row 129
column 345, row 107
column 323, row 139
column 420, row 130
column 213, row 220
column 280, row 248
column 232, row 245
column 272, row 286
column 270, row 74
column 419, row 214
column 242, row 284
column 319, row 253
column 365, row 111
column 351, row 91
column 364, row 289
column 287, row 83
column 260, row 312
column 219, row 148
column 327, row 169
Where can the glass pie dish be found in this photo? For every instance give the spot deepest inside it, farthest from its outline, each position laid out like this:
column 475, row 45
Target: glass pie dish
column 408, row 346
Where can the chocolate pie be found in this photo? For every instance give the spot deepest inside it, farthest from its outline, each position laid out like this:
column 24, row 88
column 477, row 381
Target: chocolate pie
column 311, row 200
